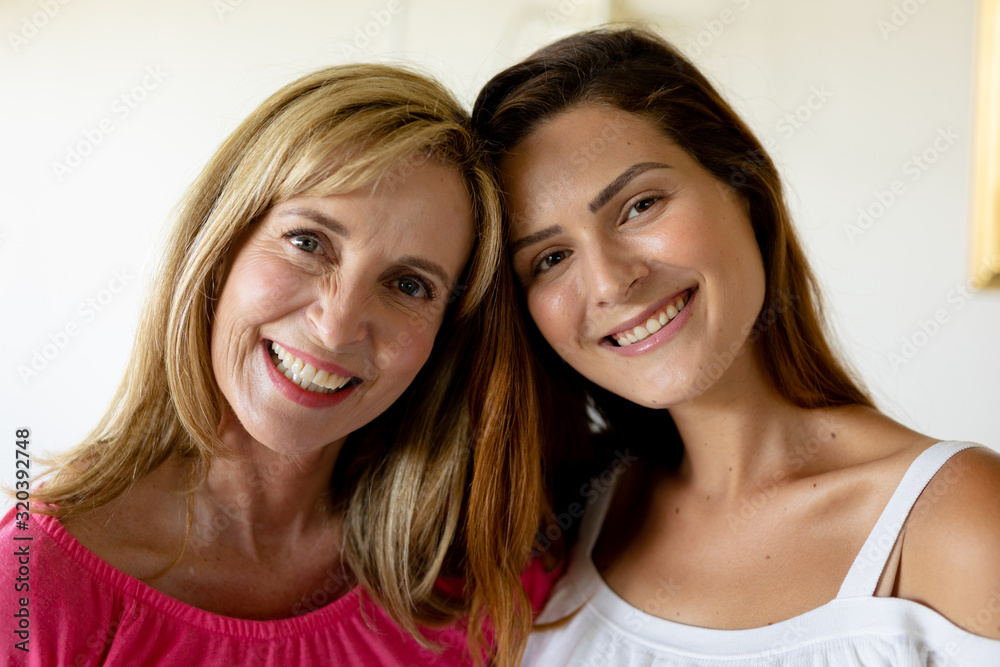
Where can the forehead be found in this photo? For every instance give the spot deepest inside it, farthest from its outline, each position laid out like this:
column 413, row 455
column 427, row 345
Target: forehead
column 575, row 154
column 426, row 207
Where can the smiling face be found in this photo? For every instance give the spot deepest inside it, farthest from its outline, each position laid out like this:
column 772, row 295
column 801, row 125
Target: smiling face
column 331, row 306
column 640, row 269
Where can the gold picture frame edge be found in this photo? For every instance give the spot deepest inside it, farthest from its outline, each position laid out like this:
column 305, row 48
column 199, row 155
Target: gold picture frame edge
column 985, row 266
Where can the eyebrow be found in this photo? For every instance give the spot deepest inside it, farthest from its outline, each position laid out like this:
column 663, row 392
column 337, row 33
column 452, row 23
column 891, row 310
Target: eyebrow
column 319, row 218
column 616, row 185
column 531, row 239
column 427, row 265
column 337, row 228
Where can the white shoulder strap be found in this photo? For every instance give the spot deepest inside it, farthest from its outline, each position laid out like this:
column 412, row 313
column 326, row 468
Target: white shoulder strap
column 862, row 579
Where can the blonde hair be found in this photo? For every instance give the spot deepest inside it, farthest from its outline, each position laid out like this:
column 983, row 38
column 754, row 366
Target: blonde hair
column 426, row 488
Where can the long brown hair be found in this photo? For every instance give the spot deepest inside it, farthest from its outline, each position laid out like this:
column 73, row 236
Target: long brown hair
column 426, row 488
column 638, row 72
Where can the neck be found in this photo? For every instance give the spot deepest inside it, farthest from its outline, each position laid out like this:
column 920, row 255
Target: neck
column 259, row 498
column 742, row 433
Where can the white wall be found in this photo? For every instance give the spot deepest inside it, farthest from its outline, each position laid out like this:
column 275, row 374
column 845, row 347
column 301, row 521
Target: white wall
column 75, row 246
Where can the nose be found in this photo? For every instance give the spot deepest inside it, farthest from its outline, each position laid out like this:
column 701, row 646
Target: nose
column 612, row 272
column 340, row 313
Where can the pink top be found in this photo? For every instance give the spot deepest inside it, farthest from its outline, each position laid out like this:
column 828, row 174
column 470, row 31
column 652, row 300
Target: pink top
column 69, row 607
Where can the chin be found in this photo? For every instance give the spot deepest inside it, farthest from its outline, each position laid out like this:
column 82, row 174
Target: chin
column 288, row 437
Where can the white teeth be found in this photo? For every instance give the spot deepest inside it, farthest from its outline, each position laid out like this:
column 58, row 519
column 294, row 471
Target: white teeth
column 306, row 375
column 656, row 322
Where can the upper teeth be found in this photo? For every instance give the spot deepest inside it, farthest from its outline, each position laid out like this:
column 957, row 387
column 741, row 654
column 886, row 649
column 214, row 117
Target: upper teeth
column 655, row 322
column 304, row 374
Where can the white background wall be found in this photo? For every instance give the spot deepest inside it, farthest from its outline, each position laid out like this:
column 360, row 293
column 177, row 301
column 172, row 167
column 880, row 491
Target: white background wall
column 76, row 245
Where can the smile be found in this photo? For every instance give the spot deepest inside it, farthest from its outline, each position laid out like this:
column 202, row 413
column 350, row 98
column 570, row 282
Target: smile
column 304, row 374
column 656, row 321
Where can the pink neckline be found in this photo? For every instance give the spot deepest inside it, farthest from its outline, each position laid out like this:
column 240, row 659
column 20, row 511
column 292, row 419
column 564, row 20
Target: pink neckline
column 125, row 584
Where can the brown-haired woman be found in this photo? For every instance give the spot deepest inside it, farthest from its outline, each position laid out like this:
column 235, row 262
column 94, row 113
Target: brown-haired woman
column 675, row 312
column 320, row 411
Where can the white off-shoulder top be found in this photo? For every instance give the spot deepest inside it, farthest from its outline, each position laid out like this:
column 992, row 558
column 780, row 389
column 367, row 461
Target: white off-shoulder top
column 856, row 628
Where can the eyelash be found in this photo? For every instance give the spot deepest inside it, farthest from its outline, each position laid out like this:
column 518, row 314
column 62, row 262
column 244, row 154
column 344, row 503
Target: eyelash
column 428, row 287
column 537, row 266
column 652, row 201
column 308, row 234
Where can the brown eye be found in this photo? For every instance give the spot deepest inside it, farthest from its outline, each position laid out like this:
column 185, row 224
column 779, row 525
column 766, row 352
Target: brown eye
column 640, row 206
column 551, row 260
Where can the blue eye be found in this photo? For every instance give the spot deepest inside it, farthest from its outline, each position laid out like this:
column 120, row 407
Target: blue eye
column 413, row 287
column 640, row 206
column 305, row 242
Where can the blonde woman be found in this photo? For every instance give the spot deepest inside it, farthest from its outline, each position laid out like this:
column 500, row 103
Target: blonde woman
column 308, row 459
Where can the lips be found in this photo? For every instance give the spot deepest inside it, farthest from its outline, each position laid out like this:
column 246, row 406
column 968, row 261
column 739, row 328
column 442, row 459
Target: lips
column 305, row 379
column 304, row 374
column 656, row 318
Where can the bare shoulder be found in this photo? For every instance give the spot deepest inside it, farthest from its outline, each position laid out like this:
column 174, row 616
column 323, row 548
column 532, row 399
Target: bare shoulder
column 137, row 532
column 951, row 548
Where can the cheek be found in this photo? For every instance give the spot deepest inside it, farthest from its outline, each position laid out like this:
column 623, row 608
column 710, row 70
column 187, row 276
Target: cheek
column 558, row 314
column 407, row 345
column 267, row 290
